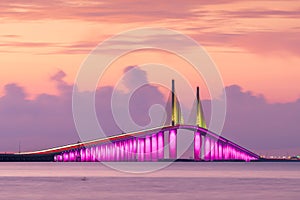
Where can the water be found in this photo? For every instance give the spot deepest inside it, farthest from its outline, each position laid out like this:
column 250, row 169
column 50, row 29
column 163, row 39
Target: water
column 30, row 181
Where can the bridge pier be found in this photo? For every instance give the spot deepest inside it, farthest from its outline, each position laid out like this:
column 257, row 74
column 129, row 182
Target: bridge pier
column 111, row 152
column 161, row 145
column 103, row 152
column 126, row 149
column 98, row 153
column 129, row 150
column 212, row 149
column 148, row 148
column 173, row 144
column 135, row 155
column 216, row 148
column 141, row 149
column 154, row 147
column 71, row 156
column 66, row 157
column 207, row 152
column 117, row 151
column 82, row 155
column 197, row 146
column 87, row 155
column 93, row 158
column 220, row 147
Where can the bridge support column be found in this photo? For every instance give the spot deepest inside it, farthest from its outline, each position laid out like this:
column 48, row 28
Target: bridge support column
column 108, row 152
column 216, row 150
column 197, row 146
column 207, row 152
column 141, row 149
column 154, row 147
column 225, row 151
column 148, row 148
column 59, row 158
column 220, row 148
column 130, row 150
column 113, row 151
column 231, row 155
column 121, row 152
column 93, row 157
column 87, row 154
column 76, row 155
column 117, row 146
column 173, row 144
column 71, row 156
column 66, row 157
column 212, row 149
column 102, row 154
column 82, row 155
column 161, row 145
column 126, row 150
column 135, row 149
column 98, row 153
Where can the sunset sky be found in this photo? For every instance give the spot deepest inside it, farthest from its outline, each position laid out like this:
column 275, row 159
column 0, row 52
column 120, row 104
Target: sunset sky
column 255, row 45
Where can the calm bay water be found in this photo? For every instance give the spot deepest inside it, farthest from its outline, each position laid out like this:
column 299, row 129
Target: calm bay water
column 178, row 181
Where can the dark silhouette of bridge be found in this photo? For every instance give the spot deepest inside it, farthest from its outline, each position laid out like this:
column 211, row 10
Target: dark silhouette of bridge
column 155, row 144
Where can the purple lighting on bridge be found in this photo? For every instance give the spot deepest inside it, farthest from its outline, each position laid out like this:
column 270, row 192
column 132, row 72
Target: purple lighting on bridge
column 130, row 157
column 160, row 143
column 66, row 157
column 141, row 149
column 151, row 148
column 148, row 148
column 207, row 151
column 93, row 154
column 134, row 149
column 197, row 145
column 220, row 148
column 154, row 147
column 212, row 149
column 173, row 143
column 71, row 156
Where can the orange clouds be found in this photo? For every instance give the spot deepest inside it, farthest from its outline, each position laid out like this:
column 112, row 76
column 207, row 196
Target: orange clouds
column 245, row 38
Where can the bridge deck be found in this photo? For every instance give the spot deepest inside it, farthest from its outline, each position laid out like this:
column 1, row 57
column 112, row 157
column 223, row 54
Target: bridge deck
column 125, row 136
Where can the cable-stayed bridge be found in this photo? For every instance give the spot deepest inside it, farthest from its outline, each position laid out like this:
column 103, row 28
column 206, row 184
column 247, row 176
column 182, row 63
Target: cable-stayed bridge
column 155, row 144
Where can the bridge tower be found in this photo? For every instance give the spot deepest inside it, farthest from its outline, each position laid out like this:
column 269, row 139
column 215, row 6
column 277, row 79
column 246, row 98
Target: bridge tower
column 199, row 139
column 176, row 119
column 200, row 121
column 176, row 110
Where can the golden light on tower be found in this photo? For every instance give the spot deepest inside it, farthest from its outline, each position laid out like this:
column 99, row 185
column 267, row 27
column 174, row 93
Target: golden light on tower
column 200, row 121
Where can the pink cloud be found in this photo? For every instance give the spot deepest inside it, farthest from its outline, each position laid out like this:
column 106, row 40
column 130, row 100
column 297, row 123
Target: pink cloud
column 118, row 10
column 269, row 43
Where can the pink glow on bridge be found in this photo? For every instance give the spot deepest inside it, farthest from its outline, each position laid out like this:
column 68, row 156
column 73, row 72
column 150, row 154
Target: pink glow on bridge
column 151, row 147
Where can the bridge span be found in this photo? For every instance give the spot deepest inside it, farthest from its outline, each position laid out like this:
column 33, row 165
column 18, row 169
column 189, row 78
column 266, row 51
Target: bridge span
column 156, row 144
column 152, row 145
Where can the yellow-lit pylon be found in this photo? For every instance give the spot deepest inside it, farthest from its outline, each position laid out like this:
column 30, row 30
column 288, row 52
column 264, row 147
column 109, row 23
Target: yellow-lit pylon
column 176, row 111
column 200, row 115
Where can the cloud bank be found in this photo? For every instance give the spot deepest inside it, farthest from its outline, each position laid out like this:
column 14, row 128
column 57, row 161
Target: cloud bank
column 46, row 120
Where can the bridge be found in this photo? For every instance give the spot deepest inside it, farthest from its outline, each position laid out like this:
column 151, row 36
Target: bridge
column 156, row 144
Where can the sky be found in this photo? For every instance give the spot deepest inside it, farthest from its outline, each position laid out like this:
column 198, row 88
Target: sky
column 254, row 44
